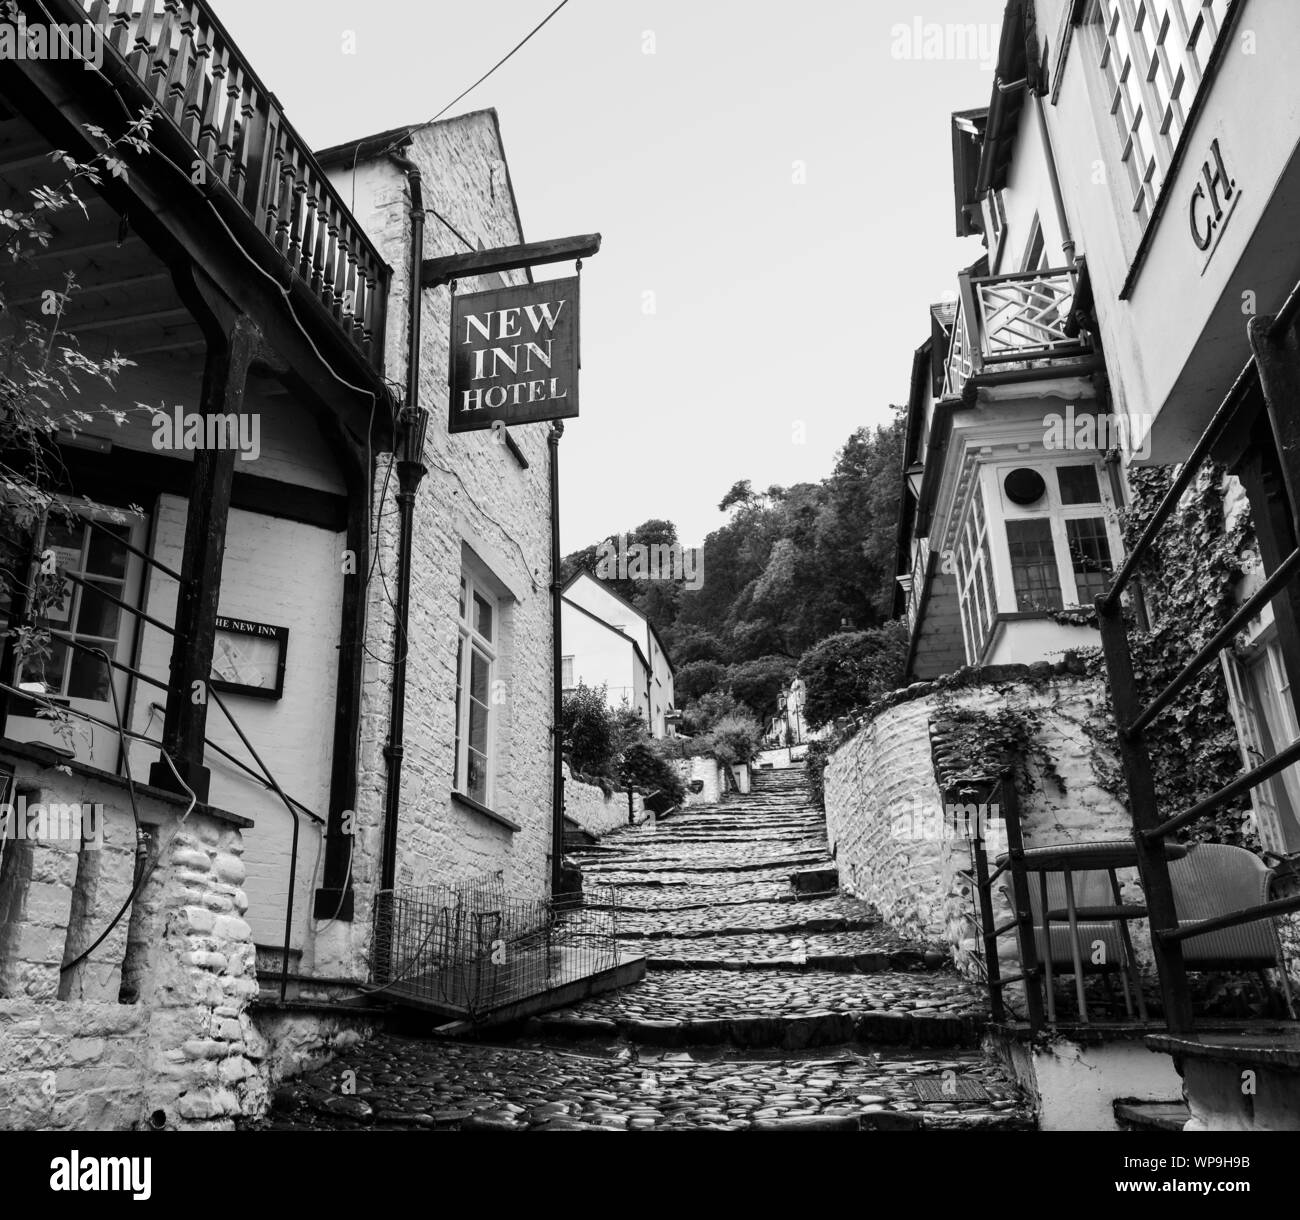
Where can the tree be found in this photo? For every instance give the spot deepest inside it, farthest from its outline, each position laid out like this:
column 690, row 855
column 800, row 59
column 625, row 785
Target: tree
column 696, row 679
column 849, row 671
column 590, row 735
column 758, row 684
column 44, row 391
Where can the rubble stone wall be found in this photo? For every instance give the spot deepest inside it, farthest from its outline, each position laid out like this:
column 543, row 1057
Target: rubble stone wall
column 884, row 814
column 173, row 1047
column 595, row 812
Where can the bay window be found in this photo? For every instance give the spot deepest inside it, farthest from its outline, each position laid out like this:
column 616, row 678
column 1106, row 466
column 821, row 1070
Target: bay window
column 1034, row 539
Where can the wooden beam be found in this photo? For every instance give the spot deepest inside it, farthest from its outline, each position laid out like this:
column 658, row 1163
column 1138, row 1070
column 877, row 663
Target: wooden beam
column 436, row 271
column 123, row 320
column 134, row 281
column 184, row 726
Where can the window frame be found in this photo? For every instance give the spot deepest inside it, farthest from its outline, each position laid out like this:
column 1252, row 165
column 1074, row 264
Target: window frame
column 1152, row 75
column 474, row 585
column 1002, row 596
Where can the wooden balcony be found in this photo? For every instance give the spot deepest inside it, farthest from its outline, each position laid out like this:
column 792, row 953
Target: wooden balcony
column 1006, row 323
column 206, row 90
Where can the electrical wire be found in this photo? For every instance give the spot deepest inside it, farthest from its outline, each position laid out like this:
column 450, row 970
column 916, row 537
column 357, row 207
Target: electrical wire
column 465, row 93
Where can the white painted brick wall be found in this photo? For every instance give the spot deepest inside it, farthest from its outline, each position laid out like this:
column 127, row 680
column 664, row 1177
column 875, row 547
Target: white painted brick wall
column 475, row 493
column 595, row 812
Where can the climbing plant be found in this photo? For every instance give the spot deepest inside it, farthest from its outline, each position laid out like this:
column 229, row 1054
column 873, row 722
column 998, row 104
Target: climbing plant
column 972, row 741
column 1188, row 584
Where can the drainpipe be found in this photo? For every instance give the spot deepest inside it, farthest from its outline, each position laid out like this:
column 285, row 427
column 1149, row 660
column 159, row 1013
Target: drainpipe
column 557, row 665
column 1067, row 238
column 414, row 422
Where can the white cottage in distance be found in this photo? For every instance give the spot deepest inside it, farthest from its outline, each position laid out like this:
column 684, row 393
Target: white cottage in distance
column 608, row 642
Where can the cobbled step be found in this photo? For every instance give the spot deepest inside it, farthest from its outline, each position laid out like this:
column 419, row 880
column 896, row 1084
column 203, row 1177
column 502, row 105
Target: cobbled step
column 780, row 997
column 775, row 1033
column 419, row 1084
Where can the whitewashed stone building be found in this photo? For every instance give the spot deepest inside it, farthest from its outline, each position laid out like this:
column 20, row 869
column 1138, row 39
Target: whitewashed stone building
column 254, row 796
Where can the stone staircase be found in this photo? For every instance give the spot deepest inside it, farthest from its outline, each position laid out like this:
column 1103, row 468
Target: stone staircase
column 766, row 1006
column 753, row 951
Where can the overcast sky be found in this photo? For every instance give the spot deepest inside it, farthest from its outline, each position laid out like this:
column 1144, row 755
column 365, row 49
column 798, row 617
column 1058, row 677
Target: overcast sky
column 776, row 303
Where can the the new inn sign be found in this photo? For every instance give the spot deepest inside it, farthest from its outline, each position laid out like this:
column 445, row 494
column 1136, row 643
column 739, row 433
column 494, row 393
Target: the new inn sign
column 514, row 355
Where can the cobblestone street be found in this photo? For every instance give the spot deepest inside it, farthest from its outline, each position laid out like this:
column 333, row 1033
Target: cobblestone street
column 760, row 1009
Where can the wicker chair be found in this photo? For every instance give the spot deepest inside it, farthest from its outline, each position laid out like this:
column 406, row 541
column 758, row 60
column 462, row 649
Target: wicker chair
column 1215, row 879
column 1092, row 888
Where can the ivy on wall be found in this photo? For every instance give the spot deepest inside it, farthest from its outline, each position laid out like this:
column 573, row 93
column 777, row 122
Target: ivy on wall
column 1188, row 581
column 976, row 742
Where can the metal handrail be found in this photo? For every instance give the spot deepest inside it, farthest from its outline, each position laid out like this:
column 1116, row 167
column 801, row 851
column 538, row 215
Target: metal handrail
column 1182, row 481
column 1243, row 783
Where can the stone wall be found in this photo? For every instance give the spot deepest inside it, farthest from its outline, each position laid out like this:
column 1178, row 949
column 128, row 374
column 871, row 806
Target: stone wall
column 884, row 815
column 154, row 1029
column 595, row 812
column 707, row 771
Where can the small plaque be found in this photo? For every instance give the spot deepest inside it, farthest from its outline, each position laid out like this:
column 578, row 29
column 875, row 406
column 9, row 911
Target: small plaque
column 248, row 658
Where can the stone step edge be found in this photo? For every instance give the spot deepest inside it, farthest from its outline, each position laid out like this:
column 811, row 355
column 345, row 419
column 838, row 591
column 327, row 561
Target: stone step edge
column 876, row 962
column 790, row 1032
column 361, row 1114
column 810, row 927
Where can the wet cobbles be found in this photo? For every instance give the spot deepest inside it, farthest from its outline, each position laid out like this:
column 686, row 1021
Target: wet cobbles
column 761, row 1008
column 401, row 1083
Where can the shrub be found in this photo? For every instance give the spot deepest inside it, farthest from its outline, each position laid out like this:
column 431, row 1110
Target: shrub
column 736, row 739
column 700, row 716
column 589, row 731
column 848, row 672
column 819, row 754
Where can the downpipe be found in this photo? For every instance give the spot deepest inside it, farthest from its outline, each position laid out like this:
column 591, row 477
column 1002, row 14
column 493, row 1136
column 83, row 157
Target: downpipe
column 410, row 472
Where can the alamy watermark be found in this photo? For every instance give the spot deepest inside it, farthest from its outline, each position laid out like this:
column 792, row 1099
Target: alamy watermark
column 660, row 561
column 73, row 40
column 188, row 430
column 950, row 41
column 53, row 823
column 928, row 821
column 1098, row 432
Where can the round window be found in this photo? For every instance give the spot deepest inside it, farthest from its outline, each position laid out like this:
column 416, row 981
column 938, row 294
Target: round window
column 1025, row 486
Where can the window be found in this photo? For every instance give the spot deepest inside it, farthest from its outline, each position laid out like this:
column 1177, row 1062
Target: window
column 1078, row 485
column 974, row 579
column 1033, row 564
column 1090, row 557
column 566, row 676
column 475, row 664
column 1260, row 698
column 997, row 225
column 1153, row 54
column 1036, row 251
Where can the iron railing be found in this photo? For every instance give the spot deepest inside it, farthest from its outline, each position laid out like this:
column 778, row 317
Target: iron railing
column 1002, row 792
column 19, row 611
column 471, row 950
column 1151, row 828
column 1010, row 322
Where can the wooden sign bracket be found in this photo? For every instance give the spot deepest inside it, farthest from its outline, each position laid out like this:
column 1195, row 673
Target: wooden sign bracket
column 435, row 272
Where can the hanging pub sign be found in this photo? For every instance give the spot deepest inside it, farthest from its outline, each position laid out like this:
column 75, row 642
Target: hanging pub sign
column 514, row 355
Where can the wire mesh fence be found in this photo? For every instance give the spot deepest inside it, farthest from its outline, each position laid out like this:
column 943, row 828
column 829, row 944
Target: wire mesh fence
column 471, row 949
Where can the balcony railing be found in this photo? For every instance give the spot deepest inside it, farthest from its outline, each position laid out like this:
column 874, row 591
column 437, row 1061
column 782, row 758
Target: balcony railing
column 205, row 87
column 1007, row 322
